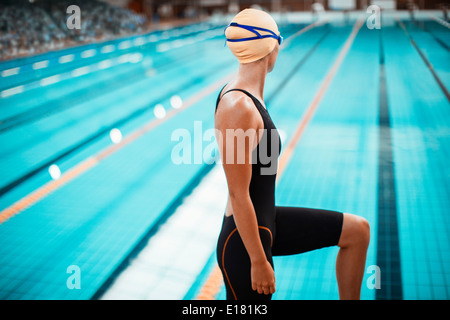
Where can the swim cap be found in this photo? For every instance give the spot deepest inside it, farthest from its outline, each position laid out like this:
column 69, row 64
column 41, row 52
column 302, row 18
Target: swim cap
column 251, row 35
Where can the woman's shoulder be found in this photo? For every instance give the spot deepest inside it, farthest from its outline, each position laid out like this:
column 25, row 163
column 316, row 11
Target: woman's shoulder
column 236, row 109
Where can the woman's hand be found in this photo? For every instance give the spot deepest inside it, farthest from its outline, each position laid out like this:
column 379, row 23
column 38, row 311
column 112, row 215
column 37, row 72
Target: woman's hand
column 263, row 277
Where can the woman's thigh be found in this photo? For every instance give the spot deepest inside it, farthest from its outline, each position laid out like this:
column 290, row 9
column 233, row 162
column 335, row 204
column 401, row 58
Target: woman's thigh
column 299, row 229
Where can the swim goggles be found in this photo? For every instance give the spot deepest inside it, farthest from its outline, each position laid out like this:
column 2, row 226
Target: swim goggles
column 253, row 29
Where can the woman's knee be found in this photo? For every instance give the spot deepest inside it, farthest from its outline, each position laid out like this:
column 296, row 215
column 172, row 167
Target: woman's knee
column 355, row 231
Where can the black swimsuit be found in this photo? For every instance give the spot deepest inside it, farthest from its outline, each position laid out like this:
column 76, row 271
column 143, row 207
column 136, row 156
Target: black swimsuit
column 283, row 230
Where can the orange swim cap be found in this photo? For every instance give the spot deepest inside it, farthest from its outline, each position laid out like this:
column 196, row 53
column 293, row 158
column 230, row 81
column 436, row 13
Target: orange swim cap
column 249, row 51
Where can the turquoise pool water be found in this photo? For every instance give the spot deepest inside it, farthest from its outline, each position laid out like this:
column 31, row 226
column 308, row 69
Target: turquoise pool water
column 63, row 114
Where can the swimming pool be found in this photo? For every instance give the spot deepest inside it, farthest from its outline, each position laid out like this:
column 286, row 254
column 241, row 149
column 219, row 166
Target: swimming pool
column 375, row 145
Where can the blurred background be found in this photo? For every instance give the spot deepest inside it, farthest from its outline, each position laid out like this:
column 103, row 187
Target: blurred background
column 34, row 26
column 109, row 188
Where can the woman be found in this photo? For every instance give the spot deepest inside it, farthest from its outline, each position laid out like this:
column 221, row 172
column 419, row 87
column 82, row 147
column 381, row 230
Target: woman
column 254, row 229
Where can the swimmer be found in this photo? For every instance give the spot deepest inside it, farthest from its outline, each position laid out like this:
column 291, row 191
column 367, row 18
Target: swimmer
column 254, row 229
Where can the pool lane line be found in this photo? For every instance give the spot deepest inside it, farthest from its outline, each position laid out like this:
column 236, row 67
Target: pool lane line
column 441, row 21
column 388, row 247
column 285, row 158
column 90, row 162
column 215, row 280
column 424, row 58
column 422, row 26
column 294, row 70
column 302, row 31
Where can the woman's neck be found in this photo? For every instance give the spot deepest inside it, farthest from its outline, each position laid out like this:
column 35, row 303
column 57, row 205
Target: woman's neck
column 253, row 76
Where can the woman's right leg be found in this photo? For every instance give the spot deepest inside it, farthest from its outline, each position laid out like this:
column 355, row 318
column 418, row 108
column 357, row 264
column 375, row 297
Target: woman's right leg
column 301, row 230
column 351, row 259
